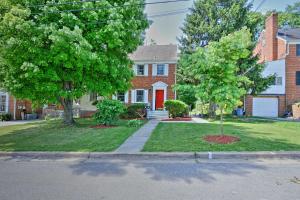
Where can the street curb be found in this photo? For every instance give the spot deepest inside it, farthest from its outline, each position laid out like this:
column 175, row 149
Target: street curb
column 159, row 155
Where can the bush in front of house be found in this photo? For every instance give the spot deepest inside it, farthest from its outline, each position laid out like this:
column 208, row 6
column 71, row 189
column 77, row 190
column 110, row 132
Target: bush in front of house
column 137, row 110
column 108, row 111
column 5, row 117
column 176, row 108
column 134, row 123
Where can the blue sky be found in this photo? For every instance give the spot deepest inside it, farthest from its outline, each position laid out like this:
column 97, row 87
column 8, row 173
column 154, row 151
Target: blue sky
column 164, row 30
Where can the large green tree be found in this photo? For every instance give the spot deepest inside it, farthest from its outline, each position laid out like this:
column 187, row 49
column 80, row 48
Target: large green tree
column 291, row 16
column 209, row 21
column 58, row 51
column 217, row 66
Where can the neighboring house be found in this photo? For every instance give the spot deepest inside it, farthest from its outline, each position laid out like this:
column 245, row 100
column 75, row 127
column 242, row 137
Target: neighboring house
column 15, row 107
column 279, row 49
column 155, row 74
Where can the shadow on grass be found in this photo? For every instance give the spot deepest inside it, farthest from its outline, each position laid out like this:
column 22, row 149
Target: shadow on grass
column 189, row 138
column 170, row 171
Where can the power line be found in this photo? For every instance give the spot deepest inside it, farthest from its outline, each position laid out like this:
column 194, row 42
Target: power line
column 261, row 3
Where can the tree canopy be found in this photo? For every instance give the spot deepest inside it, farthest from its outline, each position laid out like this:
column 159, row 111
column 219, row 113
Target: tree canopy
column 57, row 51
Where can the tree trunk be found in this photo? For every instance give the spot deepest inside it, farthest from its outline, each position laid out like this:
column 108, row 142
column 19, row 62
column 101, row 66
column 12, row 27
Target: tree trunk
column 68, row 111
column 221, row 121
column 212, row 110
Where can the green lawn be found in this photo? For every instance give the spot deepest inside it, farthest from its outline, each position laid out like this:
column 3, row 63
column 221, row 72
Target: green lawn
column 255, row 135
column 53, row 136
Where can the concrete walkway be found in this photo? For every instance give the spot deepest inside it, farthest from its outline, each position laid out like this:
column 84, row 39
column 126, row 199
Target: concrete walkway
column 18, row 122
column 136, row 142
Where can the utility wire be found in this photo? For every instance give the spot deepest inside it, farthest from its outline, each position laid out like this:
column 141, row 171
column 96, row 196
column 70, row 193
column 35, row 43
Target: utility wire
column 261, row 3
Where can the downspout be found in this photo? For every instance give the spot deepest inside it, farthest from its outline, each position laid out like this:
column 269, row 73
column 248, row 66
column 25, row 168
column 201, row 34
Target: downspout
column 15, row 107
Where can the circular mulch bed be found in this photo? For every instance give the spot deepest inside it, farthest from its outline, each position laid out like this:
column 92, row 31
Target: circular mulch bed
column 221, row 139
column 178, row 119
column 102, row 126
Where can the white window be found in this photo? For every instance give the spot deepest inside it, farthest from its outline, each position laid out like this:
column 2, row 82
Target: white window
column 121, row 96
column 140, row 96
column 278, row 81
column 160, row 69
column 3, row 102
column 140, row 70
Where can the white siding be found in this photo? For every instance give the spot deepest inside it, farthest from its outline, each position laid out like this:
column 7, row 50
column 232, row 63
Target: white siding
column 278, row 68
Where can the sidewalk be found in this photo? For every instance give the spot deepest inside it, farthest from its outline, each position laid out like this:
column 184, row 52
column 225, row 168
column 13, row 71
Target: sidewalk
column 18, row 122
column 136, row 142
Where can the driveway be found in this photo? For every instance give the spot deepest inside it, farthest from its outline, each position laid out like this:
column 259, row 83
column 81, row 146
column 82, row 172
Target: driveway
column 23, row 179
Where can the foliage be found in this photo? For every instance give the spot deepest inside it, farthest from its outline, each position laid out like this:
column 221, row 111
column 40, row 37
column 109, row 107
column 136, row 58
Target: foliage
column 186, row 93
column 290, row 16
column 134, row 123
column 5, row 117
column 176, row 108
column 48, row 55
column 217, row 70
column 108, row 111
column 137, row 110
column 209, row 21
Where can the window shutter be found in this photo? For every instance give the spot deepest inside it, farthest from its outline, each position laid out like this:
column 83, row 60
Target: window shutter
column 126, row 97
column 166, row 69
column 145, row 96
column 146, row 70
column 154, row 69
column 132, row 96
column 135, row 70
column 298, row 78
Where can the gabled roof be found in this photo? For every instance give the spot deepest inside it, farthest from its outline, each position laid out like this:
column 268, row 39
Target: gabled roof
column 290, row 34
column 155, row 53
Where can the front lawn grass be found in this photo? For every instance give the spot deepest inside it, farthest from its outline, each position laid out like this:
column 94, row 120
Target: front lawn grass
column 54, row 136
column 255, row 135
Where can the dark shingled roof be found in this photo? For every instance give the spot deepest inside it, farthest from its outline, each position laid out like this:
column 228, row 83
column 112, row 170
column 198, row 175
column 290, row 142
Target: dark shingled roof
column 155, row 53
column 291, row 33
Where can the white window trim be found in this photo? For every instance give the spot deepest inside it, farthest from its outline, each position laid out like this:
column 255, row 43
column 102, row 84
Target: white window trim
column 6, row 101
column 146, row 69
column 166, row 69
column 135, row 96
column 115, row 97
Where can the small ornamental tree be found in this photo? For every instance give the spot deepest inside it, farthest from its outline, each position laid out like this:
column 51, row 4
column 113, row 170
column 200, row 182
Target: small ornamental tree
column 57, row 51
column 218, row 67
column 108, row 111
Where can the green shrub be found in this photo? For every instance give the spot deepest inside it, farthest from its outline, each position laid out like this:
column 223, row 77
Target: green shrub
column 134, row 123
column 176, row 108
column 108, row 111
column 5, row 117
column 137, row 110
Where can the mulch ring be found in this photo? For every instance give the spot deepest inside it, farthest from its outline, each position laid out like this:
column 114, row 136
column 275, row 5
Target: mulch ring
column 102, row 126
column 178, row 119
column 221, row 139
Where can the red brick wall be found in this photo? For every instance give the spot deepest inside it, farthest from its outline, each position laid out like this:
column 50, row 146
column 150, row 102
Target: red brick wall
column 281, row 49
column 146, row 82
column 292, row 65
column 271, row 47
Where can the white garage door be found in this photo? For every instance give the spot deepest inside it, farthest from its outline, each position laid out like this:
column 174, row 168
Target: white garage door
column 265, row 107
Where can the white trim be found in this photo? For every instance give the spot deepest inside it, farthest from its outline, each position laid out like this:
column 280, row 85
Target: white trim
column 154, row 69
column 145, row 70
column 159, row 86
column 134, row 96
column 126, row 97
column 6, row 100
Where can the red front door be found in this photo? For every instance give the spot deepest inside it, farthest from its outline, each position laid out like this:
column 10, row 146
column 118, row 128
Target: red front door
column 159, row 100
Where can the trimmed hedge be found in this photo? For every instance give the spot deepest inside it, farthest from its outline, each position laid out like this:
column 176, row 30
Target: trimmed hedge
column 134, row 111
column 5, row 117
column 176, row 108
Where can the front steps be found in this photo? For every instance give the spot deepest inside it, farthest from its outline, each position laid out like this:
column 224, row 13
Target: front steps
column 157, row 114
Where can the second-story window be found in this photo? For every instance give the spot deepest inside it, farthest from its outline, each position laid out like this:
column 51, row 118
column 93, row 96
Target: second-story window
column 121, row 96
column 160, row 69
column 298, row 49
column 140, row 70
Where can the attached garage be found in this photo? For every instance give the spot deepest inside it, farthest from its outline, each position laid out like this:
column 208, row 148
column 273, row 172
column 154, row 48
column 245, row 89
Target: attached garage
column 265, row 107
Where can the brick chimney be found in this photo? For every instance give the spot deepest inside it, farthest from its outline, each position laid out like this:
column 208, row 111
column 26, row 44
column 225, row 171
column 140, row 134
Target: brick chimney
column 271, row 41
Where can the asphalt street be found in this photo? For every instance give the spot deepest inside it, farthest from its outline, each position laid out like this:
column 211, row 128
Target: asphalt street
column 92, row 179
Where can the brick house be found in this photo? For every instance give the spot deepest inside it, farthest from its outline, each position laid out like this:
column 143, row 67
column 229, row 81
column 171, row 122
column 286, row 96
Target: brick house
column 279, row 49
column 15, row 107
column 155, row 74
